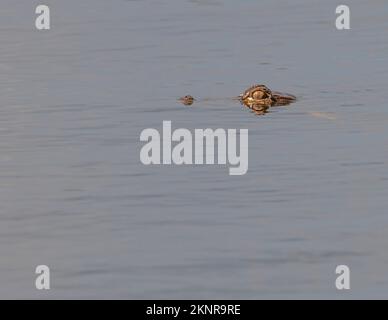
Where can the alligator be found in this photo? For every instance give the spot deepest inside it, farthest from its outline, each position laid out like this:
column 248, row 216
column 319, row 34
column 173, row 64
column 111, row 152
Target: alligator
column 259, row 98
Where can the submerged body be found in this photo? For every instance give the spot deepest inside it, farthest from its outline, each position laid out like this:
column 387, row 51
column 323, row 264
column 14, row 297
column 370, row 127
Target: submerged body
column 258, row 98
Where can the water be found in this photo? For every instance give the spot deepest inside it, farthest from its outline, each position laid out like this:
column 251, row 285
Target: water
column 74, row 195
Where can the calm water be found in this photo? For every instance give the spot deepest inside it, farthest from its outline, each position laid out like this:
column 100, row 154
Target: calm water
column 74, row 195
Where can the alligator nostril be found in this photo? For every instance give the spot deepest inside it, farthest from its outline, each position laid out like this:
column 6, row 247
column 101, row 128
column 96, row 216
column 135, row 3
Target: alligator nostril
column 187, row 100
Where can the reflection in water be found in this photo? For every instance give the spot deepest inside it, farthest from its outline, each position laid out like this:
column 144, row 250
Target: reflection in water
column 257, row 108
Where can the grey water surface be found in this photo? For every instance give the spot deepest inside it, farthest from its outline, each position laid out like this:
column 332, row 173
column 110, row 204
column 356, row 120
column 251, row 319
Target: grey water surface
column 74, row 195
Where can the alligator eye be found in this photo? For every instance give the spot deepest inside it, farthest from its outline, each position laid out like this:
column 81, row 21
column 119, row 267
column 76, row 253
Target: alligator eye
column 259, row 95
